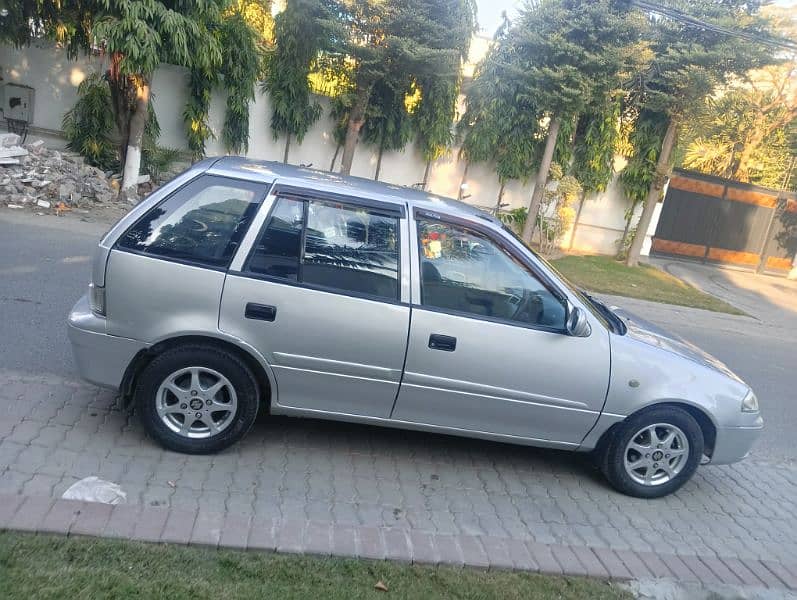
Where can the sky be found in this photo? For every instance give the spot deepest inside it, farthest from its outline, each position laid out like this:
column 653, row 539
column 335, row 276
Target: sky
column 489, row 13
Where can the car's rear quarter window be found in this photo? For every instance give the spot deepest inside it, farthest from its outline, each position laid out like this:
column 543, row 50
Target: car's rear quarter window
column 203, row 222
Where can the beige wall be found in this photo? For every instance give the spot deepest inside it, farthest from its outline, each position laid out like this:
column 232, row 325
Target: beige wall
column 55, row 79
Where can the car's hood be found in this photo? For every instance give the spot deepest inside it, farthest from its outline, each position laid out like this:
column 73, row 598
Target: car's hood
column 651, row 334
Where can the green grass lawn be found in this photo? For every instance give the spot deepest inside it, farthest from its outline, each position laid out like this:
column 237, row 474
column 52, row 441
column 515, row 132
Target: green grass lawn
column 603, row 274
column 36, row 566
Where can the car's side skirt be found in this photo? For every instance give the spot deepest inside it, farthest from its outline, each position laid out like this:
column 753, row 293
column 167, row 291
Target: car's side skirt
column 397, row 424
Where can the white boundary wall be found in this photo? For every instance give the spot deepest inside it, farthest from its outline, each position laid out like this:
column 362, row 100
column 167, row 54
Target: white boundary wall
column 55, row 79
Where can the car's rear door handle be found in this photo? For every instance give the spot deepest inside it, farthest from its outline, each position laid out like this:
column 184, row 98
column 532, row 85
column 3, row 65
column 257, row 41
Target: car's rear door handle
column 446, row 343
column 261, row 312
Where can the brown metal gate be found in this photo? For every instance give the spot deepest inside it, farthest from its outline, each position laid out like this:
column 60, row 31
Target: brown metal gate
column 717, row 220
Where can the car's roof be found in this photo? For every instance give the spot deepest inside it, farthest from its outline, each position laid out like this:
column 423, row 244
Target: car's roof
column 268, row 171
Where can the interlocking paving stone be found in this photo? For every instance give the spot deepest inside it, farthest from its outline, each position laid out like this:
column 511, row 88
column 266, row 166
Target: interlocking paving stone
column 781, row 572
column 396, row 545
column 678, row 567
column 473, row 552
column 235, row 532
column 449, row 550
column 654, row 564
column 122, row 522
column 92, row 519
column 423, row 547
column 371, row 544
column 613, row 564
column 150, row 523
column 8, row 506
column 207, row 528
column 745, row 571
column 344, row 540
column 31, row 513
column 544, row 558
column 591, row 563
column 497, row 552
column 317, row 539
column 60, row 517
column 262, row 534
column 178, row 527
column 385, row 494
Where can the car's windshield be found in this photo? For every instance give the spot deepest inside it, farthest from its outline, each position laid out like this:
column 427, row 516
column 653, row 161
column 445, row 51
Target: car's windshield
column 602, row 312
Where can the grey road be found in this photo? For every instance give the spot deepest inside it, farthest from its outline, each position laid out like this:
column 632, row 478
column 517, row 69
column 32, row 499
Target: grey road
column 44, row 267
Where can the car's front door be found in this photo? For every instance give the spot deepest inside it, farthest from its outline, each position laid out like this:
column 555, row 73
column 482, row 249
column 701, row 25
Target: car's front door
column 488, row 351
column 320, row 296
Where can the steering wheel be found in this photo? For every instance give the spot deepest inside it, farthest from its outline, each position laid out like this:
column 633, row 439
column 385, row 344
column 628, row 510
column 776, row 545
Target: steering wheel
column 200, row 227
column 525, row 304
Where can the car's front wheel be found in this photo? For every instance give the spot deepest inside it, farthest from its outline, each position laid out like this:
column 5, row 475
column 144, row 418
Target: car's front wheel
column 197, row 399
column 654, row 452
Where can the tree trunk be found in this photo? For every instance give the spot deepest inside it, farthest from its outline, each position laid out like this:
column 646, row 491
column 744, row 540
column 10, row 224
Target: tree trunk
column 463, row 181
column 500, row 197
column 663, row 171
column 334, row 158
column 575, row 221
column 426, row 173
column 625, row 233
column 119, row 86
column 379, row 154
column 356, row 121
column 287, row 148
column 138, row 121
column 542, row 178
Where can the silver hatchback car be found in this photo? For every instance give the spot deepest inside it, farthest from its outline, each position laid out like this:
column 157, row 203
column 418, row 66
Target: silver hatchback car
column 243, row 284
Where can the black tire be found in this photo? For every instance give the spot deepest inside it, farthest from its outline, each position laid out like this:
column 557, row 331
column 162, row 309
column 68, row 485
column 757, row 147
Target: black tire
column 613, row 459
column 204, row 356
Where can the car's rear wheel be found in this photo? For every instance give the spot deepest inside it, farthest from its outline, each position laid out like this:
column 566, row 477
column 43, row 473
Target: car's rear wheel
column 197, row 399
column 653, row 453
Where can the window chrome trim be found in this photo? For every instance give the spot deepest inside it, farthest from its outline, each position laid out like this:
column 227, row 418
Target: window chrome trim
column 253, row 233
column 308, row 193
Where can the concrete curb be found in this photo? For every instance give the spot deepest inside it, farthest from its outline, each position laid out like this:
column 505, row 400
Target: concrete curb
column 217, row 530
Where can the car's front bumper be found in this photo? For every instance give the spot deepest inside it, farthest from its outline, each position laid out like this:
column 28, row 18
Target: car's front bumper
column 100, row 358
column 734, row 443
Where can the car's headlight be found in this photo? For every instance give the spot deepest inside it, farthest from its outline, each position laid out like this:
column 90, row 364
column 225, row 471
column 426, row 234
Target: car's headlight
column 750, row 402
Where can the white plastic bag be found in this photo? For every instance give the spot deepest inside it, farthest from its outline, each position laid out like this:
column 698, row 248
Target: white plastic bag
column 94, row 489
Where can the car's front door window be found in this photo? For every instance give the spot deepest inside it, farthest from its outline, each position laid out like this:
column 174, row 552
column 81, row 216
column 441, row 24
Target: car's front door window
column 464, row 271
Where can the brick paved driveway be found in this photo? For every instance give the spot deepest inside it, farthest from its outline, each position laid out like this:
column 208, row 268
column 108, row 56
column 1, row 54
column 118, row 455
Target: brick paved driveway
column 415, row 492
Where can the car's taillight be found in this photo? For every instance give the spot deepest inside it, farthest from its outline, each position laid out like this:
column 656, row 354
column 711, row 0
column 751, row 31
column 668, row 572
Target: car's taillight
column 97, row 299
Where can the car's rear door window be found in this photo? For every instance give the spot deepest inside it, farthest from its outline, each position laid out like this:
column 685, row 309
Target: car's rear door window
column 203, row 222
column 343, row 247
column 278, row 250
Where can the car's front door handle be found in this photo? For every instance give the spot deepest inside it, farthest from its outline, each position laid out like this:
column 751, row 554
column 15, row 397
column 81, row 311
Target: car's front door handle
column 446, row 343
column 261, row 312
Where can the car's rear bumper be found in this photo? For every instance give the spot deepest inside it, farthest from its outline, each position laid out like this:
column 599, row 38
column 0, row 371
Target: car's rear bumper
column 734, row 443
column 100, row 358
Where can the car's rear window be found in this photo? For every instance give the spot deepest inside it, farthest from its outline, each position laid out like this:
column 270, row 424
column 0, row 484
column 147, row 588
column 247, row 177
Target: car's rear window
column 203, row 222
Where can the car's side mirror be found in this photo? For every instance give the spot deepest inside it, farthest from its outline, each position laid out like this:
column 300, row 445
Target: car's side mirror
column 577, row 323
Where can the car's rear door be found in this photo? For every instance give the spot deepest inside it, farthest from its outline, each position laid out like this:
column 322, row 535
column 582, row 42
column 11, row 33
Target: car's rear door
column 321, row 296
column 488, row 351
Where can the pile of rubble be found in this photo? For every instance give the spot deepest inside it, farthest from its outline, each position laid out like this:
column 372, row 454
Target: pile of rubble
column 37, row 177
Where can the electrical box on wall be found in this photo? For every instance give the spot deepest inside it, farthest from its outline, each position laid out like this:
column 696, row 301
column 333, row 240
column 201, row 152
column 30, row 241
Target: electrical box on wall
column 18, row 102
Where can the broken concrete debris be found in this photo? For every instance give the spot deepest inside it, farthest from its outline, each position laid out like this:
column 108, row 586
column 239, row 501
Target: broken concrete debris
column 39, row 177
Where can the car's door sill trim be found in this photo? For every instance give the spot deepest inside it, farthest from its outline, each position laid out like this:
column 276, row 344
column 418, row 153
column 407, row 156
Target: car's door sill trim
column 412, row 425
